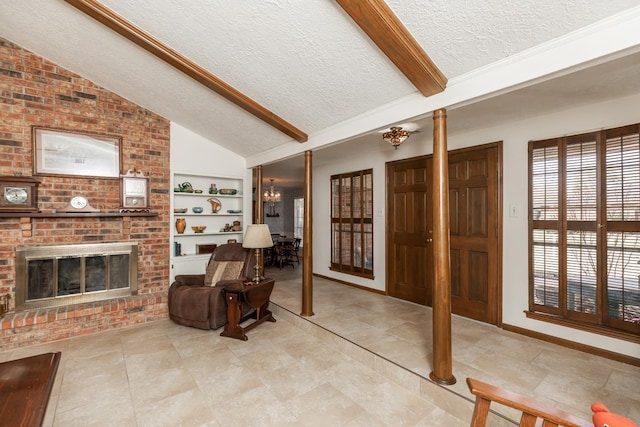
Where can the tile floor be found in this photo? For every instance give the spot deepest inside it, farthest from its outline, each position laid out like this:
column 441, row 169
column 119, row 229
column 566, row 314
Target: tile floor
column 362, row 359
column 400, row 332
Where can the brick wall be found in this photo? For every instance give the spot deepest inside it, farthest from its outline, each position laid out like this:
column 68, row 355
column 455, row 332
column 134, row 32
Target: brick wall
column 36, row 92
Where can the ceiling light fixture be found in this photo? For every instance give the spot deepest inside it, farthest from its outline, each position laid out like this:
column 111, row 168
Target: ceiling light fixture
column 395, row 136
column 271, row 196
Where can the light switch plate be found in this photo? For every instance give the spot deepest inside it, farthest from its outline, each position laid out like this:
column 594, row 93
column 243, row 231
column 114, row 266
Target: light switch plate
column 514, row 211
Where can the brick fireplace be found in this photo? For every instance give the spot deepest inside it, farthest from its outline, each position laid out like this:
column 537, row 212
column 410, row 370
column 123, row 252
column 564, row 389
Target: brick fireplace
column 36, row 92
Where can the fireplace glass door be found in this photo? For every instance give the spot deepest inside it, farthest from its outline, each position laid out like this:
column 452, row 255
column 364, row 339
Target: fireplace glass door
column 53, row 276
column 76, row 275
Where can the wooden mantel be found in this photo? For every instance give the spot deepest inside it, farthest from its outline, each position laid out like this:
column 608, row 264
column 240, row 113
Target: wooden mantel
column 76, row 214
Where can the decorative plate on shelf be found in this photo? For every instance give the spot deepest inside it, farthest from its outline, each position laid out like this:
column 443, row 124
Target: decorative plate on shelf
column 234, row 211
column 228, row 191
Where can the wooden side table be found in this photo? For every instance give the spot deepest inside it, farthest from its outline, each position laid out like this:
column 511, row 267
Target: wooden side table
column 257, row 297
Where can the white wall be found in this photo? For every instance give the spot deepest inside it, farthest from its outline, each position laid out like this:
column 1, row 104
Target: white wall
column 191, row 153
column 515, row 136
column 284, row 222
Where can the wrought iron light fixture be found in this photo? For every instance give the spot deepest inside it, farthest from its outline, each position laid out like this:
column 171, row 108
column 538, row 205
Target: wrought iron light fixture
column 395, row 136
column 271, row 196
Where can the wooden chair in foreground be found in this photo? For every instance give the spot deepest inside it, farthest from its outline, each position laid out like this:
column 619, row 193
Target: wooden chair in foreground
column 531, row 409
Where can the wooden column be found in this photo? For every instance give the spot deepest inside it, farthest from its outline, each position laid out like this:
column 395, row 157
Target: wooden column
column 307, row 238
column 442, row 363
column 259, row 209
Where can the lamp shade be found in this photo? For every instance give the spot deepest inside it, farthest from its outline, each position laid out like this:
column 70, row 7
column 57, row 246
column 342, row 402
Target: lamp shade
column 257, row 236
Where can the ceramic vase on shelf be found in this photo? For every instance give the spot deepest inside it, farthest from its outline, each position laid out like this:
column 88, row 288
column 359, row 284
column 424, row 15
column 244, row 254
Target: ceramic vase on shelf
column 181, row 224
column 215, row 204
column 213, row 189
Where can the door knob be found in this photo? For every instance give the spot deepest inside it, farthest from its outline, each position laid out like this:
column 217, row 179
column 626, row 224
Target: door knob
column 427, row 236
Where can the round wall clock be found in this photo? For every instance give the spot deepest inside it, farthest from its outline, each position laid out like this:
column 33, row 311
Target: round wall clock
column 78, row 202
column 15, row 195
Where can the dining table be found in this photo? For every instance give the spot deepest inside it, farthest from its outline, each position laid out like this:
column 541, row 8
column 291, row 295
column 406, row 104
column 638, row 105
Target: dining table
column 275, row 256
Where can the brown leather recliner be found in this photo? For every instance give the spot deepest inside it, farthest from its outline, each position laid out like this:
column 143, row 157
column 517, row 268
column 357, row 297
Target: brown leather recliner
column 194, row 302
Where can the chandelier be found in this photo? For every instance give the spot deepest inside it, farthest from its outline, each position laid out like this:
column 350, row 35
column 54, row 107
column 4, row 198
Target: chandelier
column 395, row 136
column 271, row 196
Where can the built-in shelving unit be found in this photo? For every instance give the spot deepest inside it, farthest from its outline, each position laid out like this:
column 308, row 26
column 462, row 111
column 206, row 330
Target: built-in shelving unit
column 186, row 248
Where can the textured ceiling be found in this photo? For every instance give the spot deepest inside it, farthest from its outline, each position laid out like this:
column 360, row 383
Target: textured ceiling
column 610, row 80
column 305, row 60
column 462, row 35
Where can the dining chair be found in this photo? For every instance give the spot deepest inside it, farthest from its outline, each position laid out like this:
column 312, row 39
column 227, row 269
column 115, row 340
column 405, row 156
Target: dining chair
column 287, row 253
column 296, row 248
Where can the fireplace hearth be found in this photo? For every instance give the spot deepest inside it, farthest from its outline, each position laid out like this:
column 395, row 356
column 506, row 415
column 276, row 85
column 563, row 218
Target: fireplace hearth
column 51, row 276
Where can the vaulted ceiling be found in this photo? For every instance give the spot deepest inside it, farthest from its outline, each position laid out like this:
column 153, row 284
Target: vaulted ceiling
column 310, row 64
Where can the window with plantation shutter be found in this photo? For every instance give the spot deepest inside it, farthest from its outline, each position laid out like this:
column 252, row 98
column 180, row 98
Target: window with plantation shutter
column 544, row 202
column 623, row 226
column 584, row 233
column 581, row 226
column 352, row 223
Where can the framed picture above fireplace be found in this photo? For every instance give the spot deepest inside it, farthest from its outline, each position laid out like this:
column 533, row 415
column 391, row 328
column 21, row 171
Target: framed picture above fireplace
column 63, row 152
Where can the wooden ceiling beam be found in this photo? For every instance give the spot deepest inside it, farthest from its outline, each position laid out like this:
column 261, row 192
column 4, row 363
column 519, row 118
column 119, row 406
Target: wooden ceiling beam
column 382, row 26
column 131, row 32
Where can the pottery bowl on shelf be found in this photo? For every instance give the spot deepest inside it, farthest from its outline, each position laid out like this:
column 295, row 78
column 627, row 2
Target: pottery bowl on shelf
column 198, row 228
column 179, row 210
column 197, row 209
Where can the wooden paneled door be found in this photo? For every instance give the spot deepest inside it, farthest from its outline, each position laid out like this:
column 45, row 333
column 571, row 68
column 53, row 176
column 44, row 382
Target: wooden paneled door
column 474, row 199
column 409, row 221
column 474, row 211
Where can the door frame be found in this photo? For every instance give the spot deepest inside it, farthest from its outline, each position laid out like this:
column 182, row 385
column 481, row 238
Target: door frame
column 499, row 219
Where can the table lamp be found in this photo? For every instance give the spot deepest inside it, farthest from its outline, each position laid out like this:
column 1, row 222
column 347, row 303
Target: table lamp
column 257, row 237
